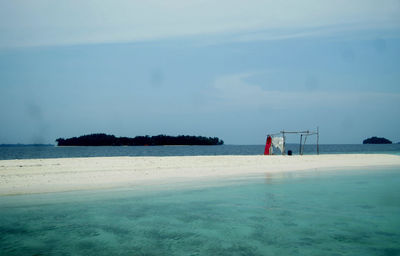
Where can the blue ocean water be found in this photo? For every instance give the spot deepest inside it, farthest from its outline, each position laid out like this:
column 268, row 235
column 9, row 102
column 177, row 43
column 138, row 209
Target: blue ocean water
column 308, row 213
column 62, row 152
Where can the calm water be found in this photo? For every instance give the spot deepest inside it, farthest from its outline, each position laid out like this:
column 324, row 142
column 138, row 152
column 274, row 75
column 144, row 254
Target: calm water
column 61, row 152
column 336, row 213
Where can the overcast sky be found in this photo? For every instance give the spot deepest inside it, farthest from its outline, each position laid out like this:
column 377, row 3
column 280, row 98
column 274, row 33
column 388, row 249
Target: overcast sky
column 233, row 69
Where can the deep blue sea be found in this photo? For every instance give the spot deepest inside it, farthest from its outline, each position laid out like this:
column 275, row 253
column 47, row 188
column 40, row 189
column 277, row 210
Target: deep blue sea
column 10, row 152
column 354, row 212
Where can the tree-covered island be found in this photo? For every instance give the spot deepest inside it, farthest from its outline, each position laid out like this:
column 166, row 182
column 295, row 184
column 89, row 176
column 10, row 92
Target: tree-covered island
column 101, row 139
column 377, row 140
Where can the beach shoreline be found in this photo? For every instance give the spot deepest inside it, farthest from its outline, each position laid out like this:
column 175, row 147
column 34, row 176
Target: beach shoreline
column 30, row 176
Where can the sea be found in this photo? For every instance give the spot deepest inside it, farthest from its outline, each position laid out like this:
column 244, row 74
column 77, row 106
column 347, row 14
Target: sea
column 347, row 212
column 34, row 152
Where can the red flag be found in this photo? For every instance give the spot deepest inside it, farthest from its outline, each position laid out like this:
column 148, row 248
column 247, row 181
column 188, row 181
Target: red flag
column 268, row 145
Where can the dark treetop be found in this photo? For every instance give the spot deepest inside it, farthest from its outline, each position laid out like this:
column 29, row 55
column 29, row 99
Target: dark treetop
column 101, row 139
column 376, row 140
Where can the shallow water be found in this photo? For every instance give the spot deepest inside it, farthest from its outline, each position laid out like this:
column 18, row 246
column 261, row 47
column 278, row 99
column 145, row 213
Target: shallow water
column 310, row 213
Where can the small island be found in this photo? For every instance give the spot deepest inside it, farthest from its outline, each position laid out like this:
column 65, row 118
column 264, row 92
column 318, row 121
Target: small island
column 376, row 140
column 101, row 139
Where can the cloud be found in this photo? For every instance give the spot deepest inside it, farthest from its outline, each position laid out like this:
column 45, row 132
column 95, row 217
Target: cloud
column 234, row 91
column 46, row 22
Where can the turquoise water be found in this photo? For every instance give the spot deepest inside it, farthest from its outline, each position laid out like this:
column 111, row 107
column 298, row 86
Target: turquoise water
column 331, row 213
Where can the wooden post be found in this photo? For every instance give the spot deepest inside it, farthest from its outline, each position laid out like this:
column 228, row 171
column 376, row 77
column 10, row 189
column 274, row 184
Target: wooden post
column 317, row 140
column 301, row 140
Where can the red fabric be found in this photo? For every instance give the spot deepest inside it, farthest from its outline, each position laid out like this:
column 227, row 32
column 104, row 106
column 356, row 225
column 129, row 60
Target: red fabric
column 268, row 145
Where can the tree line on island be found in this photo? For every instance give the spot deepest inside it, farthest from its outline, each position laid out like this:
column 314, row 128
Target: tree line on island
column 101, row 139
column 376, row 140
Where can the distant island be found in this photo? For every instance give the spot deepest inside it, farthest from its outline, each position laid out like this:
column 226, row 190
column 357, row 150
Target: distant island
column 376, row 140
column 101, row 139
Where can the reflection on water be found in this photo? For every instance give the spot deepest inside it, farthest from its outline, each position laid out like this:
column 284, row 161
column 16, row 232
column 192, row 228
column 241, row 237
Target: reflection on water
column 309, row 213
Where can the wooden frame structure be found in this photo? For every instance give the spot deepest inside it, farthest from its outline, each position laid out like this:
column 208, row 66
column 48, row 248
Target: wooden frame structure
column 303, row 134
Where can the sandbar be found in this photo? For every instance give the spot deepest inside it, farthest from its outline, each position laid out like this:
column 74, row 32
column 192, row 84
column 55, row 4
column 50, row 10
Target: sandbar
column 30, row 176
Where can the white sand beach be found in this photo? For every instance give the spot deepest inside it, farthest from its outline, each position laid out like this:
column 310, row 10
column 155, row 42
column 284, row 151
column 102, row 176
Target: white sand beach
column 69, row 174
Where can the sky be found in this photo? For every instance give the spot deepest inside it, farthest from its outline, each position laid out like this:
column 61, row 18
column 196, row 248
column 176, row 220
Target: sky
column 237, row 70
